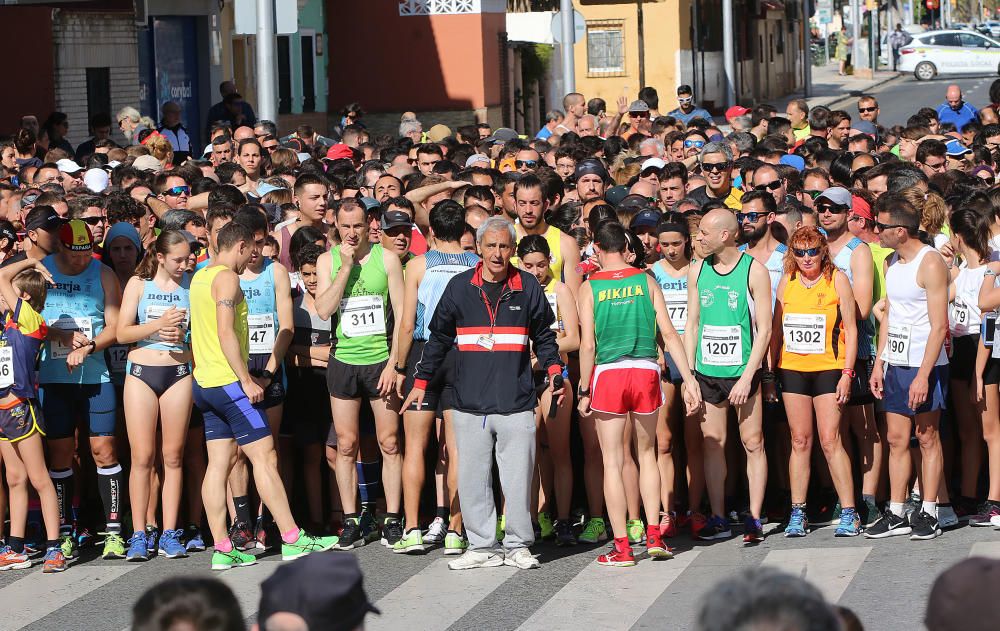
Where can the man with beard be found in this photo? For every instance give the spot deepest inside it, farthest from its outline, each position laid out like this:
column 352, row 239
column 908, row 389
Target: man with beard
column 590, row 179
column 758, row 239
column 530, row 204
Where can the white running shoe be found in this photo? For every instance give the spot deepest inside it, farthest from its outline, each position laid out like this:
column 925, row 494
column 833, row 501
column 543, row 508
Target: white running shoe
column 522, row 559
column 473, row 559
column 436, row 531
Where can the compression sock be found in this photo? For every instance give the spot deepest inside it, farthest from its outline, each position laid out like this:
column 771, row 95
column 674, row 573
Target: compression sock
column 242, row 504
column 63, row 481
column 370, row 481
column 109, row 484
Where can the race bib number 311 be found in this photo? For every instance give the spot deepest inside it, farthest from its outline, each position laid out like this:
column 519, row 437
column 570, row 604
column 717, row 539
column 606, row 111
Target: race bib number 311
column 362, row 315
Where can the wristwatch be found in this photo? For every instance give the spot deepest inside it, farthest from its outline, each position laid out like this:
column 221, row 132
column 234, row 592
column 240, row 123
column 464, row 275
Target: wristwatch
column 93, row 346
column 581, row 392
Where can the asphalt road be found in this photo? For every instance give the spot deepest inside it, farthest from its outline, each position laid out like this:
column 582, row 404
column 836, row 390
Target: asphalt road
column 881, row 581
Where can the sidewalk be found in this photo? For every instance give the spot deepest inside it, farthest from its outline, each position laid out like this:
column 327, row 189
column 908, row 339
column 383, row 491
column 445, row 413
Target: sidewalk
column 829, row 88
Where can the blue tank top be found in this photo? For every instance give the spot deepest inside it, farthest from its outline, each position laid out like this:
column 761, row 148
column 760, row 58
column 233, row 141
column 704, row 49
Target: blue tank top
column 441, row 268
column 262, row 309
column 675, row 295
column 76, row 302
column 154, row 302
column 866, row 327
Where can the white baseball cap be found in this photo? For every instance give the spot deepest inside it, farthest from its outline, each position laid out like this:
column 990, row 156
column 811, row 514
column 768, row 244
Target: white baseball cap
column 68, row 166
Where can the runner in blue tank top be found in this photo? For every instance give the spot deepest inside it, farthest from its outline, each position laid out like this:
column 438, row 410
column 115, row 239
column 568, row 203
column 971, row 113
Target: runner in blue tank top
column 82, row 312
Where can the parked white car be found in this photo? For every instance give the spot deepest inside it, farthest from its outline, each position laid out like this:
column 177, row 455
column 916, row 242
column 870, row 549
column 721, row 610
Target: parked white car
column 949, row 52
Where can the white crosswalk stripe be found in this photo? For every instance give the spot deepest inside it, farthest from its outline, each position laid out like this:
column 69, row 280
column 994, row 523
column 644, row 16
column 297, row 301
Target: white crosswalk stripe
column 988, row 549
column 829, row 570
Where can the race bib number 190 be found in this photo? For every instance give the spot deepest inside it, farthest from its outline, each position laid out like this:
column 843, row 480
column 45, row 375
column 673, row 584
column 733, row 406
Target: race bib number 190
column 898, row 344
column 722, row 346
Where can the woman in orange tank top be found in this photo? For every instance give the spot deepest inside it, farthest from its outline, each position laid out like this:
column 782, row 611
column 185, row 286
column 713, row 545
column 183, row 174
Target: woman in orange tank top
column 812, row 345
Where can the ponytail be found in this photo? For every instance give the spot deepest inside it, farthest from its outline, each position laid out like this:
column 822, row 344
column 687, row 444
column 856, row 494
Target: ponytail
column 148, row 266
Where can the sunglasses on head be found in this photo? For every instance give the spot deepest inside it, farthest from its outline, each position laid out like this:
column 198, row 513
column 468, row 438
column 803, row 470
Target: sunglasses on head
column 770, row 186
column 531, row 164
column 752, row 217
column 865, row 110
column 92, row 221
column 697, row 144
column 711, row 167
column 833, row 209
column 806, row 252
column 178, row 190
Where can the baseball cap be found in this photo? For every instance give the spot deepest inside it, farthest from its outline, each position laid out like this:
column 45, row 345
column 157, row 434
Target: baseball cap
column 43, row 218
column 638, row 106
column 653, row 163
column 438, row 133
column 865, row 127
column 861, row 208
column 502, row 134
column 477, row 157
column 616, row 194
column 263, row 189
column 147, row 163
column 325, row 589
column 838, row 195
column 339, row 151
column 737, row 110
column 395, row 219
column 646, row 219
column 964, row 596
column 75, row 236
column 7, row 233
column 369, row 203
column 96, row 180
column 956, row 149
column 793, row 160
column 68, row 166
column 590, row 166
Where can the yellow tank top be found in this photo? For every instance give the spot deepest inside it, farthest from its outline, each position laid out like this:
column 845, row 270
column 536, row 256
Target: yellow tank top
column 813, row 333
column 553, row 237
column 211, row 369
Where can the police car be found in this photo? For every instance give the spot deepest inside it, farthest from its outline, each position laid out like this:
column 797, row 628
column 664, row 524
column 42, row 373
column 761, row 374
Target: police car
column 949, row 52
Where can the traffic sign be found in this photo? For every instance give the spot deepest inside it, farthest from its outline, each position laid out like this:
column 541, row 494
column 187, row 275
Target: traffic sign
column 579, row 26
column 824, row 15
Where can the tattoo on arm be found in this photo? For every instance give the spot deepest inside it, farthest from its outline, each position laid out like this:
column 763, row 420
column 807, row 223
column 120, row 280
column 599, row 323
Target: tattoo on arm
column 225, row 303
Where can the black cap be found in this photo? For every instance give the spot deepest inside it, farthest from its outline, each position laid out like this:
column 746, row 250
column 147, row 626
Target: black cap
column 325, row 588
column 43, row 218
column 590, row 166
column 647, row 218
column 395, row 219
column 503, row 134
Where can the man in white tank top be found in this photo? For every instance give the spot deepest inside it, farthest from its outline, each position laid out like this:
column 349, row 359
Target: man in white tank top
column 911, row 368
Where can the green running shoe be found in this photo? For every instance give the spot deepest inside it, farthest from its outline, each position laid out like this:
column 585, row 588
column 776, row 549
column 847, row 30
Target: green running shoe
column 501, row 528
column 114, row 546
column 548, row 528
column 636, row 531
column 233, row 558
column 304, row 545
column 594, row 532
column 412, row 541
column 68, row 546
column 454, row 543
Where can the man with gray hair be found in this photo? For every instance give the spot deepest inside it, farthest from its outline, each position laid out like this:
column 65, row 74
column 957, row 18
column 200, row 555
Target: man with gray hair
column 412, row 129
column 130, row 124
column 652, row 148
column 491, row 313
column 552, row 120
column 716, row 161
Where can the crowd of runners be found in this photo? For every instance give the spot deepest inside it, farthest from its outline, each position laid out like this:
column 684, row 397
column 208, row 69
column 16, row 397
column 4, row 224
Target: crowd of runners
column 629, row 325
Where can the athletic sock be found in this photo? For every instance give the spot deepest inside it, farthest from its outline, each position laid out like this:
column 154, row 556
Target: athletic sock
column 51, row 543
column 896, row 508
column 621, row 543
column 866, row 498
column 442, row 512
column 225, row 545
column 109, row 484
column 291, row 536
column 242, row 504
column 62, row 479
column 16, row 544
column 370, row 481
column 389, row 516
column 930, row 508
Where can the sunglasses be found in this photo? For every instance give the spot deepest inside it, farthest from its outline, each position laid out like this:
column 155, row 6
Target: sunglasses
column 886, row 226
column 92, row 221
column 531, row 164
column 813, row 194
column 684, row 99
column 865, row 110
column 770, row 186
column 752, row 217
column 639, row 114
column 177, row 191
column 830, row 208
column 712, row 167
column 697, row 144
column 806, row 252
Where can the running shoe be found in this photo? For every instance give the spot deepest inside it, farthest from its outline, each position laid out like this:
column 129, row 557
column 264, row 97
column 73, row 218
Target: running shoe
column 68, row 546
column 923, row 526
column 171, row 546
column 152, row 535
column 869, row 513
column 114, row 546
column 564, row 533
column 137, row 548
column 912, row 505
column 987, row 512
column 241, row 536
column 595, row 531
column 265, row 534
column 716, row 528
column 436, row 532
column 850, row 524
column 84, row 538
column 54, row 561
column 668, row 525
column 409, row 543
column 698, row 522
column 798, row 523
column 501, row 528
column 195, row 543
column 655, row 547
column 636, row 531
column 946, row 516
column 473, row 559
column 369, row 529
column 234, row 558
column 888, row 525
column 753, row 531
column 522, row 559
column 392, row 531
column 548, row 529
column 10, row 560
column 965, row 508
column 454, row 543
column 350, row 537
column 616, row 557
column 304, row 545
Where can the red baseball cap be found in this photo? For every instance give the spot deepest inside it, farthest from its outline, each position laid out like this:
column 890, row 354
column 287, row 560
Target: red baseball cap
column 340, row 151
column 736, row 110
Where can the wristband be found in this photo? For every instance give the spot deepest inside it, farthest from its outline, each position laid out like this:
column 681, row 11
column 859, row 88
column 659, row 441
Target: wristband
column 849, row 372
column 93, row 346
column 989, row 272
column 581, row 392
column 400, row 371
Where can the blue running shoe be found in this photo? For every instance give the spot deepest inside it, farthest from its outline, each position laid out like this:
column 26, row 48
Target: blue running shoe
column 137, row 550
column 171, row 546
column 753, row 531
column 798, row 523
column 716, row 528
column 195, row 543
column 152, row 534
column 850, row 523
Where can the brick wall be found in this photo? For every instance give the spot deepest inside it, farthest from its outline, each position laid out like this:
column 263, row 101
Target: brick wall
column 88, row 40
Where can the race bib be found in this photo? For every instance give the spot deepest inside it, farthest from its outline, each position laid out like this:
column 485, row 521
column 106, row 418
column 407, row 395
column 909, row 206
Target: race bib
column 554, row 305
column 898, row 344
column 960, row 315
column 677, row 308
column 261, row 328
column 6, row 366
column 117, row 358
column 83, row 325
column 805, row 333
column 362, row 315
column 155, row 312
column 722, row 345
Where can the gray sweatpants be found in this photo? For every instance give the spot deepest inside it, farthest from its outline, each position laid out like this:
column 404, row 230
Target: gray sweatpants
column 514, row 438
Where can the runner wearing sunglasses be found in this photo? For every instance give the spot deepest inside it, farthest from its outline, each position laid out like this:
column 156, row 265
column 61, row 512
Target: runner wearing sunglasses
column 172, row 189
column 755, row 222
column 716, row 161
column 687, row 109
